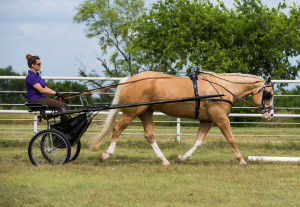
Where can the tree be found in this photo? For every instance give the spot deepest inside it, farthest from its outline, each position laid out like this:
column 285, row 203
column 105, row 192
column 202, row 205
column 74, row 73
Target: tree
column 11, row 85
column 184, row 35
column 110, row 22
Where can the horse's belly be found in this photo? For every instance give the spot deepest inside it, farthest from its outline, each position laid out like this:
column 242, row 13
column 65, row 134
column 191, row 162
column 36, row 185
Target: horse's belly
column 181, row 110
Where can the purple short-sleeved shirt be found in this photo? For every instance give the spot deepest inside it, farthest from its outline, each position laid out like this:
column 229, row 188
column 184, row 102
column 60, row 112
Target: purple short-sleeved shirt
column 32, row 79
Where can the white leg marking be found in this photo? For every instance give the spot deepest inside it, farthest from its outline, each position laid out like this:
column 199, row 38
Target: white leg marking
column 159, row 153
column 190, row 152
column 111, row 148
column 110, row 151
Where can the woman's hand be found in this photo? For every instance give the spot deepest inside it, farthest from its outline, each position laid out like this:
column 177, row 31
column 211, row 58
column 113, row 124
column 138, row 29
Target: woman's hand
column 59, row 95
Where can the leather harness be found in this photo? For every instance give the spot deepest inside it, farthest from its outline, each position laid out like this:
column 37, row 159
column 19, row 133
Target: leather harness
column 194, row 78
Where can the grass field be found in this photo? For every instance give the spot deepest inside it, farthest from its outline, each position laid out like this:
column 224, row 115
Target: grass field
column 133, row 176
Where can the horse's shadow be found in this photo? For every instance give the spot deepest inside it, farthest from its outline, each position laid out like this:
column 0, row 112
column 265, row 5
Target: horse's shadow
column 119, row 160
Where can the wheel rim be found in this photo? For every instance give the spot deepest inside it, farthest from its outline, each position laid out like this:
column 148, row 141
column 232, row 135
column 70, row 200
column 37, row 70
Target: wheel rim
column 75, row 150
column 49, row 147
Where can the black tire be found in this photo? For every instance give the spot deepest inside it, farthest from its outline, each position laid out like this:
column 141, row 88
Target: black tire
column 49, row 146
column 75, row 150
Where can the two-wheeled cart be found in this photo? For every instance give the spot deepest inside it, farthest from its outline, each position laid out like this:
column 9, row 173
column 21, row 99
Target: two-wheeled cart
column 60, row 142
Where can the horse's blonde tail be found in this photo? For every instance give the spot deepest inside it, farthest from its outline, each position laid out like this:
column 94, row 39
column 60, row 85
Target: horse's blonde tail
column 97, row 141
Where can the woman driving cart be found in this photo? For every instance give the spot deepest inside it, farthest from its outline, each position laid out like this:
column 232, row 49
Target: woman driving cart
column 36, row 88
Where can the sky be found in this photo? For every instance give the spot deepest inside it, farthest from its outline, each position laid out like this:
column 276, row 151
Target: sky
column 45, row 28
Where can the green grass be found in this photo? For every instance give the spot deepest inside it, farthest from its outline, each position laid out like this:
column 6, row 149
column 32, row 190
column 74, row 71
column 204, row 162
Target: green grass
column 133, row 176
column 119, row 183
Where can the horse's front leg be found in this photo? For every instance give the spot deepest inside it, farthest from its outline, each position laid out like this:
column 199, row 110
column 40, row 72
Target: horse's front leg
column 224, row 125
column 202, row 132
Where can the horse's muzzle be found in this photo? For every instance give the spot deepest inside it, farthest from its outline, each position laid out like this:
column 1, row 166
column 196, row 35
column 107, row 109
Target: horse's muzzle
column 269, row 114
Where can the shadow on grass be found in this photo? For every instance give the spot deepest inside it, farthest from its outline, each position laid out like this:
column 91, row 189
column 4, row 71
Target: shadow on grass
column 118, row 160
column 172, row 144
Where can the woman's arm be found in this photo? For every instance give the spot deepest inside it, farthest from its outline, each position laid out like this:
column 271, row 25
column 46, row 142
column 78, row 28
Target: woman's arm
column 45, row 90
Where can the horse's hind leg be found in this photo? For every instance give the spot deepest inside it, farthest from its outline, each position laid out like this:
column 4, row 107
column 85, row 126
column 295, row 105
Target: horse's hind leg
column 202, row 132
column 118, row 129
column 147, row 120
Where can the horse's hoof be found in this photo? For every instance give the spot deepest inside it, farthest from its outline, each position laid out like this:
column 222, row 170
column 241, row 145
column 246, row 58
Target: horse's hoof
column 179, row 159
column 166, row 163
column 103, row 157
column 244, row 164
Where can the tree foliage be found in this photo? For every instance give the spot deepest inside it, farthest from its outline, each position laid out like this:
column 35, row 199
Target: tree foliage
column 175, row 35
column 110, row 22
column 11, row 85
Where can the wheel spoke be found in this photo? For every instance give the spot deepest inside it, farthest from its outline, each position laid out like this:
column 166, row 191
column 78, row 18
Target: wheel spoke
column 49, row 146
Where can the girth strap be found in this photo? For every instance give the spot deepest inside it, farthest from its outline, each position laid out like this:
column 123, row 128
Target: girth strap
column 194, row 78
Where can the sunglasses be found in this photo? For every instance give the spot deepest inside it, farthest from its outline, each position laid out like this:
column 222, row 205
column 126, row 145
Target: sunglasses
column 39, row 64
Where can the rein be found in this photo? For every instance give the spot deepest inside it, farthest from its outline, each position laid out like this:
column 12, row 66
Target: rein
column 110, row 86
column 211, row 82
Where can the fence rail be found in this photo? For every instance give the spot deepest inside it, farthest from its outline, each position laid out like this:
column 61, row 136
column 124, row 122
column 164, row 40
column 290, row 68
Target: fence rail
column 104, row 78
column 62, row 78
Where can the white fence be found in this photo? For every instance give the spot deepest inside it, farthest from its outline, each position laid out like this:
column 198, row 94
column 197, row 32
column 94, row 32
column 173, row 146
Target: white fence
column 178, row 122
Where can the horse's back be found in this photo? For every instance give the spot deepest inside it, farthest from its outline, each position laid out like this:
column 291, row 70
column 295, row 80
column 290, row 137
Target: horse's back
column 153, row 86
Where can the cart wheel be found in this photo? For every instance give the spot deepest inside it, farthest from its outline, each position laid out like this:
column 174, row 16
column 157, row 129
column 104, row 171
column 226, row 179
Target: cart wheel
column 75, row 150
column 49, row 146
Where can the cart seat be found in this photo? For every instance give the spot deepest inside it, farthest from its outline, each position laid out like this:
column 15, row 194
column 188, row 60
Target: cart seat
column 36, row 107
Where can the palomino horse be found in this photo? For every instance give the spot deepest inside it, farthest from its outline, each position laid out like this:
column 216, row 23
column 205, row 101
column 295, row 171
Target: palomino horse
column 153, row 86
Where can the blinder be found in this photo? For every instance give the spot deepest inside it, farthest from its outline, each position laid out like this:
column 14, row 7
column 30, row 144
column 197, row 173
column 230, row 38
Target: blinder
column 267, row 95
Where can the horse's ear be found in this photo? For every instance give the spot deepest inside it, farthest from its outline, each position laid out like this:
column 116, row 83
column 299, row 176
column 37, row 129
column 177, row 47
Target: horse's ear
column 268, row 80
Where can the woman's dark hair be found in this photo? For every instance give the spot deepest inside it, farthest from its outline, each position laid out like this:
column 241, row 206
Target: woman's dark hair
column 31, row 60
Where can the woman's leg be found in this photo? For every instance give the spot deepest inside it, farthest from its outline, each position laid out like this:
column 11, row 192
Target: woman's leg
column 54, row 104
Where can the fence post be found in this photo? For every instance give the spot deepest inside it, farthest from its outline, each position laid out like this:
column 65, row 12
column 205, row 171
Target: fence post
column 178, row 130
column 35, row 120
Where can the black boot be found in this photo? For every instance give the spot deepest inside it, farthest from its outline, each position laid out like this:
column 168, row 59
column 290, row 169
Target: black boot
column 64, row 117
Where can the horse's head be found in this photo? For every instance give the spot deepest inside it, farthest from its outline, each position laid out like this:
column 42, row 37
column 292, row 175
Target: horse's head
column 264, row 99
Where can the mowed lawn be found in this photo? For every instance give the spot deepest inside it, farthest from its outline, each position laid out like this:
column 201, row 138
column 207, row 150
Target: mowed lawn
column 134, row 176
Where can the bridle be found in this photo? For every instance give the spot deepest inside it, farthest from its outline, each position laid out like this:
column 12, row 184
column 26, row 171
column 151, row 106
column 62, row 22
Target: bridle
column 266, row 95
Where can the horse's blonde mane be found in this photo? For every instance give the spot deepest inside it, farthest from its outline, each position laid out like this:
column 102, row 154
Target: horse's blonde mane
column 235, row 74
